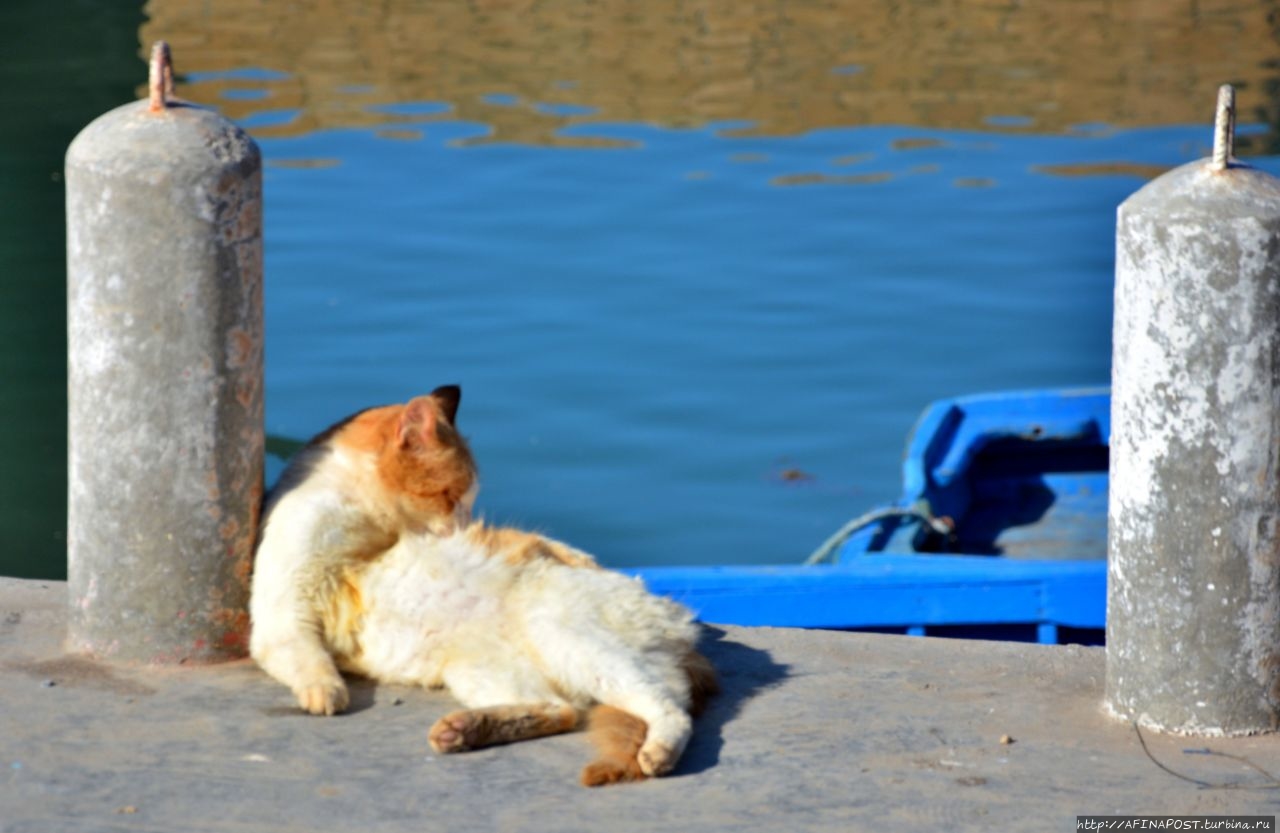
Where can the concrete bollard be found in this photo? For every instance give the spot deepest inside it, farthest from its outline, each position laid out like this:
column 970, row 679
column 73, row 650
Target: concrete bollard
column 165, row 432
column 1193, row 607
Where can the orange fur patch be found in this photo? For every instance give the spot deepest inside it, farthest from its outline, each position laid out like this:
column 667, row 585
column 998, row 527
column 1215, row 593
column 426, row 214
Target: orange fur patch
column 514, row 546
column 368, row 432
column 617, row 736
column 517, row 547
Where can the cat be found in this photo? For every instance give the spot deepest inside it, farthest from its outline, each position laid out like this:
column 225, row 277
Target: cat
column 369, row 561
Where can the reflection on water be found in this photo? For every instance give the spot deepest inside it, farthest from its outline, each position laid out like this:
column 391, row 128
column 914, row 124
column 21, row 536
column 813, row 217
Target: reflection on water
column 675, row 251
column 527, row 69
column 1104, row 169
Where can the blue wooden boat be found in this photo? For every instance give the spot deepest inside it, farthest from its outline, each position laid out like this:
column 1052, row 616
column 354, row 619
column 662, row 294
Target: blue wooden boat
column 1000, row 533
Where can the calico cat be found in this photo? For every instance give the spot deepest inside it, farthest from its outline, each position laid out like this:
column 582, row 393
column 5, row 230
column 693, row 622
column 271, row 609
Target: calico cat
column 369, row 562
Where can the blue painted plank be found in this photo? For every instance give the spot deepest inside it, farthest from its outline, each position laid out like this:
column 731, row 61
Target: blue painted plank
column 891, row 591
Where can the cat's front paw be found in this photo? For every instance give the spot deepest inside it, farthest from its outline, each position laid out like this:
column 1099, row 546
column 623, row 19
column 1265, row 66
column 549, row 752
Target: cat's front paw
column 326, row 698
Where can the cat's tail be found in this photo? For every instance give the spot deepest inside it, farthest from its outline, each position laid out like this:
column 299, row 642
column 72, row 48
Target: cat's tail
column 617, row 737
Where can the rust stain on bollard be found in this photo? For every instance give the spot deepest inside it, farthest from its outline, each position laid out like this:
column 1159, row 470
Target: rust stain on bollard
column 241, row 347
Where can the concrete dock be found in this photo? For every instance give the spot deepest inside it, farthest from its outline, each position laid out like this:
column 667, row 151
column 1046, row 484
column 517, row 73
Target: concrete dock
column 815, row 730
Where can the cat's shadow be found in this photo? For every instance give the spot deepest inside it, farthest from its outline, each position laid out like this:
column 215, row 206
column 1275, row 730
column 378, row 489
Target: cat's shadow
column 744, row 672
column 362, row 691
column 364, row 694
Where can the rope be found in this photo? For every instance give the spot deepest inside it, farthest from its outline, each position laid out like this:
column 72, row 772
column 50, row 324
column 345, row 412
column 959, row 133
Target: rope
column 920, row 509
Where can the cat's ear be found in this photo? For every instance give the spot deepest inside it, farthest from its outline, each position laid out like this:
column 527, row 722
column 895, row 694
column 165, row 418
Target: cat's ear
column 417, row 423
column 448, row 396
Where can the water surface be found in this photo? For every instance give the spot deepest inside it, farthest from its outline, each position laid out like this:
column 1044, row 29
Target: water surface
column 697, row 266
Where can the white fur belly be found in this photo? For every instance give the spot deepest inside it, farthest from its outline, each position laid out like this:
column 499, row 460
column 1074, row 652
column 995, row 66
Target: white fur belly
column 426, row 605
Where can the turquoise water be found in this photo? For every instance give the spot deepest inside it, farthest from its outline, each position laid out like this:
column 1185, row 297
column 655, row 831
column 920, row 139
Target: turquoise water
column 697, row 268
column 649, row 336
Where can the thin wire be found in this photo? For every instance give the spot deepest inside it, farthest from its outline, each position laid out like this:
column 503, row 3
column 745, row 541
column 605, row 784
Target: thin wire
column 1175, row 774
column 1275, row 783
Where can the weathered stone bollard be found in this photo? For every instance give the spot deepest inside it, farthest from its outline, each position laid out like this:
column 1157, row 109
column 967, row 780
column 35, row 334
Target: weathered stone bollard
column 1193, row 608
column 165, row 432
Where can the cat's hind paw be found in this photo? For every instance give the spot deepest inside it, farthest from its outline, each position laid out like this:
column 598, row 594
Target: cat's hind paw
column 323, row 698
column 449, row 734
column 656, row 759
column 603, row 772
column 477, row 728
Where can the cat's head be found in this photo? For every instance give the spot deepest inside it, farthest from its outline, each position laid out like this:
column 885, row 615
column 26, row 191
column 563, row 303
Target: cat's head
column 425, row 465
